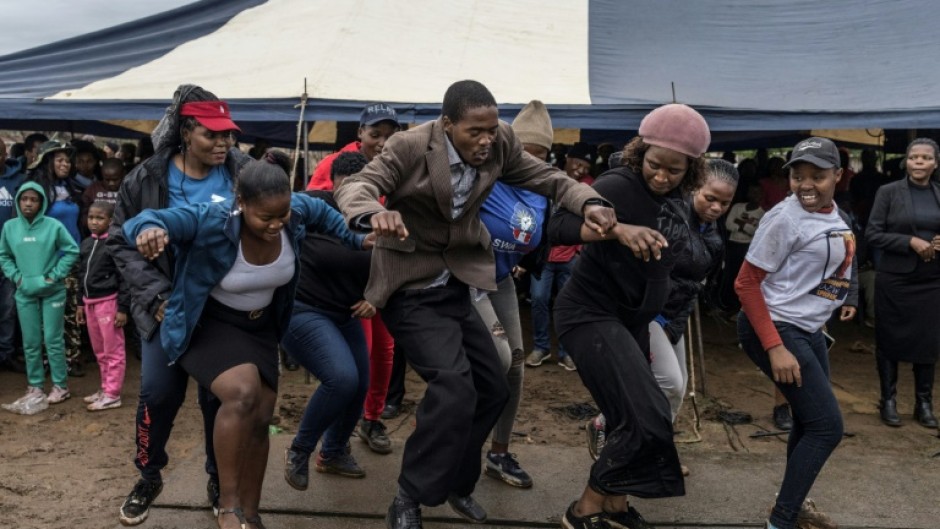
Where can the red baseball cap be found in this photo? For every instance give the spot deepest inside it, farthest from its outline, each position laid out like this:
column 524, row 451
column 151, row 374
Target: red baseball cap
column 213, row 115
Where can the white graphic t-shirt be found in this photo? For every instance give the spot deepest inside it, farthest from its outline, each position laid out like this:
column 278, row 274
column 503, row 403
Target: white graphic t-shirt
column 808, row 257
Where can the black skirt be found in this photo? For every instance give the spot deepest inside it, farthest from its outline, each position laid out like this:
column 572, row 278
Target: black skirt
column 225, row 338
column 907, row 322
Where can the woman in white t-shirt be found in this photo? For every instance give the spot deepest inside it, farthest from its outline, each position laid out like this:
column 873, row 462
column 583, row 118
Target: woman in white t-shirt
column 798, row 270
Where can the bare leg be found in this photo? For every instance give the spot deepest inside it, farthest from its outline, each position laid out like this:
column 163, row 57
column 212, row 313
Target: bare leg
column 499, row 448
column 239, row 390
column 257, row 460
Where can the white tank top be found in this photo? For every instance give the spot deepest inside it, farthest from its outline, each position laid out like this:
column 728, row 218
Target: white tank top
column 251, row 287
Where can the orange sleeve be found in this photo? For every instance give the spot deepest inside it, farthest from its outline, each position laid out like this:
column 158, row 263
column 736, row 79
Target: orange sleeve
column 747, row 286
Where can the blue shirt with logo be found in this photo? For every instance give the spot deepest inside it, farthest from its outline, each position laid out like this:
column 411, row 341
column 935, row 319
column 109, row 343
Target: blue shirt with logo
column 514, row 218
column 184, row 190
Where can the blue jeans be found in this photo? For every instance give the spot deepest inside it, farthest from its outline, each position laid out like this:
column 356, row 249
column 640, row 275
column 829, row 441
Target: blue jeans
column 7, row 319
column 541, row 291
column 162, row 392
column 332, row 347
column 817, row 421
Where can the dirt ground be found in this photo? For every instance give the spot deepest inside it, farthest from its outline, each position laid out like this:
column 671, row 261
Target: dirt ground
column 67, row 467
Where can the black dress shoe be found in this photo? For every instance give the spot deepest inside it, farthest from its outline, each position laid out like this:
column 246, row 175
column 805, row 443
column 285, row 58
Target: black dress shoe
column 403, row 515
column 467, row 507
column 297, row 469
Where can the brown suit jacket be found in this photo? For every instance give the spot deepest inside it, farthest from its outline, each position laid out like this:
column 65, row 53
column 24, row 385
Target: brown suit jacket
column 413, row 173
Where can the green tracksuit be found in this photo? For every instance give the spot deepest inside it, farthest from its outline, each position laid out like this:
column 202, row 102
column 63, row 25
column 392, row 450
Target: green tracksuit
column 37, row 256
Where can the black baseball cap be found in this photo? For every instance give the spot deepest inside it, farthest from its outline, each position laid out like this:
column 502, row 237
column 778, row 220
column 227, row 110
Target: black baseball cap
column 821, row 152
column 377, row 112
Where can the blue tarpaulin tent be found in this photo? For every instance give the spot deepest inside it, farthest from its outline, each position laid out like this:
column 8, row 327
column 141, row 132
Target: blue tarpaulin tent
column 599, row 65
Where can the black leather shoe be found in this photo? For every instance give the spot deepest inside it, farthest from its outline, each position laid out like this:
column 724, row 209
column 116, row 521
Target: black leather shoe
column 467, row 507
column 923, row 413
column 297, row 469
column 888, row 409
column 782, row 419
column 403, row 515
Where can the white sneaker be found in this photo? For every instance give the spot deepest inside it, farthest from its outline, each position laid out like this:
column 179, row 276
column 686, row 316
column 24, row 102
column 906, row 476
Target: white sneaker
column 58, row 394
column 93, row 397
column 106, row 402
column 34, row 401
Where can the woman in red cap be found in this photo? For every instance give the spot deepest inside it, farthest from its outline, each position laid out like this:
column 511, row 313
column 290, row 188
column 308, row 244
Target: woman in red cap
column 602, row 315
column 194, row 162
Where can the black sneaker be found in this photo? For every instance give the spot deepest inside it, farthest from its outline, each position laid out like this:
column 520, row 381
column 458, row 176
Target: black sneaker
column 504, row 467
column 373, row 434
column 75, row 369
column 13, row 365
column 591, row 521
column 136, row 507
column 212, row 492
column 467, row 507
column 391, row 411
column 297, row 469
column 782, row 419
column 403, row 515
column 341, row 464
column 629, row 519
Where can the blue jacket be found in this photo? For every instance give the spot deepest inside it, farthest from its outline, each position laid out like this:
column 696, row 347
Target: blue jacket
column 205, row 240
column 10, row 181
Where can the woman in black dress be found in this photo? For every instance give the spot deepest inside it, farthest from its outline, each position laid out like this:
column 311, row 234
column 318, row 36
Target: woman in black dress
column 904, row 225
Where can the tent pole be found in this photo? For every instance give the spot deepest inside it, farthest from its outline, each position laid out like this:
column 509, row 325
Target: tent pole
column 300, row 128
column 306, row 174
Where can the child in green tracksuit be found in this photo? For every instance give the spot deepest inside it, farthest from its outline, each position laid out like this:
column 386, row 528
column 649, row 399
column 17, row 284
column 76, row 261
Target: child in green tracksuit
column 36, row 253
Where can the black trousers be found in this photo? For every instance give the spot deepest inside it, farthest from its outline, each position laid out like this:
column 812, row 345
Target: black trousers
column 396, row 382
column 447, row 344
column 640, row 457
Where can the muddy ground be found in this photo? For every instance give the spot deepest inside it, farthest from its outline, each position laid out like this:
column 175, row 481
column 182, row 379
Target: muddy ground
column 67, row 467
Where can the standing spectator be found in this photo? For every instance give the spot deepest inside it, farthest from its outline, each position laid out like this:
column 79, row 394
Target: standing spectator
column 10, row 179
column 37, row 253
column 775, row 186
column 377, row 123
column 555, row 273
column 103, row 307
column 905, row 226
column 799, row 269
column 195, row 163
column 741, row 222
column 87, row 161
column 620, row 284
column 106, row 189
column 110, row 149
column 431, row 248
column 31, row 148
column 52, row 169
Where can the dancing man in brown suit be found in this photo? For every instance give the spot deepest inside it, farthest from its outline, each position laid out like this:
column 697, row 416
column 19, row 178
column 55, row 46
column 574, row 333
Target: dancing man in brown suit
column 431, row 247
